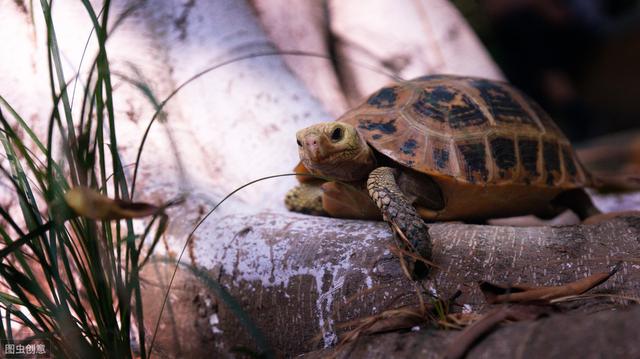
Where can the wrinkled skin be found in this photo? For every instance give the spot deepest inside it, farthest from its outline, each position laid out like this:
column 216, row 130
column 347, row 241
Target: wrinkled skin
column 335, row 150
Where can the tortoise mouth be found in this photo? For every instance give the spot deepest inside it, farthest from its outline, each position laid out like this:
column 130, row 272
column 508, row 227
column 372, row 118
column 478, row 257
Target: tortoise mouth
column 335, row 158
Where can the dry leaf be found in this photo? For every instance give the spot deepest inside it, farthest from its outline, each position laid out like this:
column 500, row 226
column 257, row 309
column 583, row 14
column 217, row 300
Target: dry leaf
column 524, row 293
column 460, row 320
column 389, row 320
column 405, row 317
column 89, row 203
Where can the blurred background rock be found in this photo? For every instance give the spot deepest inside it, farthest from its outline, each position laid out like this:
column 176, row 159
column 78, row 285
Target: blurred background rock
column 579, row 58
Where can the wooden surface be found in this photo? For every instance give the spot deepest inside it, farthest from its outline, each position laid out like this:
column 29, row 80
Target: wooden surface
column 610, row 334
column 298, row 277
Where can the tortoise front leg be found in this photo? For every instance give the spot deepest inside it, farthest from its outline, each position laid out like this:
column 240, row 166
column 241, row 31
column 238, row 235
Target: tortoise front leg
column 306, row 198
column 332, row 199
column 400, row 214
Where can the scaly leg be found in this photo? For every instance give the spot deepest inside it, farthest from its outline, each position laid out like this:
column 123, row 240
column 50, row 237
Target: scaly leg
column 401, row 215
column 305, row 198
column 578, row 201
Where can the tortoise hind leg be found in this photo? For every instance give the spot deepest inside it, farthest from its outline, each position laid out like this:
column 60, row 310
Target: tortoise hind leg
column 401, row 215
column 578, row 201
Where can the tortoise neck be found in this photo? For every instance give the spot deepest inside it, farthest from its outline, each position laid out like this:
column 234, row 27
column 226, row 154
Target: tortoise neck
column 364, row 163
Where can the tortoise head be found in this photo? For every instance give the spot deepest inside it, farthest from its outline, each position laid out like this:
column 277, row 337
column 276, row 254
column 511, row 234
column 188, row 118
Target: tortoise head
column 335, row 150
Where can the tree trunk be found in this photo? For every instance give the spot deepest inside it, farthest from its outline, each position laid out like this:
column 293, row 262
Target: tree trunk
column 607, row 334
column 299, row 277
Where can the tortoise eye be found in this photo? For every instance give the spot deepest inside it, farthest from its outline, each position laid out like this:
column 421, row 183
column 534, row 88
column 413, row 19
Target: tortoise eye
column 299, row 143
column 336, row 135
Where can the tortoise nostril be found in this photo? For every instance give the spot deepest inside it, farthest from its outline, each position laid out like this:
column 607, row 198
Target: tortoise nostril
column 311, row 142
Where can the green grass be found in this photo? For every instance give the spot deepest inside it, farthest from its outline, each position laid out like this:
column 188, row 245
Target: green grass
column 72, row 280
column 70, row 276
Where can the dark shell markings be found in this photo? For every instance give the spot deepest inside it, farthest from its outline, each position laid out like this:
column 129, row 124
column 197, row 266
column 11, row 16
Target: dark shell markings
column 409, row 147
column 440, row 157
column 443, row 104
column 528, row 151
column 474, row 161
column 551, row 161
column 502, row 104
column 387, row 128
column 504, row 154
column 570, row 163
column 385, row 98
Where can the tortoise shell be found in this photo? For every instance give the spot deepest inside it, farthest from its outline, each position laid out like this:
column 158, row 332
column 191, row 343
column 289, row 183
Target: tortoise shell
column 472, row 130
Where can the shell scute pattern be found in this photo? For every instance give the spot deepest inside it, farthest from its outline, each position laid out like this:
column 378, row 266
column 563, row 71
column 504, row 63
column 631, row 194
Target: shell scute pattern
column 472, row 130
column 502, row 103
column 438, row 155
column 528, row 151
column 387, row 100
column 551, row 161
column 570, row 163
column 445, row 104
column 474, row 160
column 386, row 128
column 441, row 158
column 384, row 98
column 409, row 147
column 503, row 152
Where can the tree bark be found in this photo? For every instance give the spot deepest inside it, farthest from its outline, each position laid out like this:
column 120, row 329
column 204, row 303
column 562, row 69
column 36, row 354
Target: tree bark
column 299, row 277
column 607, row 334
column 304, row 26
column 221, row 130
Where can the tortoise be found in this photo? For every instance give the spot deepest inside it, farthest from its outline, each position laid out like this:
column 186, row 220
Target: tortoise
column 437, row 148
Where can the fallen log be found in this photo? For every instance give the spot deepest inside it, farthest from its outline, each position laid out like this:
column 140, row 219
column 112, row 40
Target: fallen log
column 608, row 334
column 298, row 277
